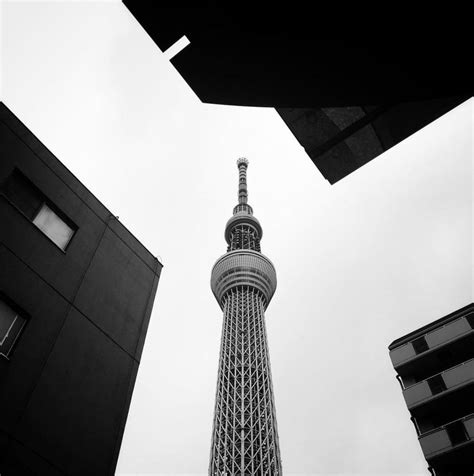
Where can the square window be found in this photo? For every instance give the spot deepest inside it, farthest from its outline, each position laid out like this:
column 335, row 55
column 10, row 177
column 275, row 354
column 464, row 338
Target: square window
column 53, row 226
column 11, row 325
column 436, row 384
column 456, row 432
column 420, row 345
column 35, row 206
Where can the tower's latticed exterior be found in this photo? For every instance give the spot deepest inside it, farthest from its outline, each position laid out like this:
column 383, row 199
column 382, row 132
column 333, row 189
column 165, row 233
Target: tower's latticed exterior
column 245, row 438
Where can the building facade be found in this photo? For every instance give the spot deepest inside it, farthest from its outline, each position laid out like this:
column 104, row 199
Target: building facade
column 245, row 437
column 435, row 368
column 76, row 294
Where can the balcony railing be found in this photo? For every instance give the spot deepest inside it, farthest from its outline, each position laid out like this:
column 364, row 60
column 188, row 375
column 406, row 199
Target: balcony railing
column 447, row 380
column 446, row 437
column 435, row 338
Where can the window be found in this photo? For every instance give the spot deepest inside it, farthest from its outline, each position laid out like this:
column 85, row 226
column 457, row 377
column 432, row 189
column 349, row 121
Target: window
column 470, row 319
column 35, row 206
column 420, row 345
column 53, row 227
column 456, row 432
column 436, row 384
column 11, row 325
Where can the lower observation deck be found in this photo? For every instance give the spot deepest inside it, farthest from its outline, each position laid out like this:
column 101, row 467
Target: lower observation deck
column 243, row 268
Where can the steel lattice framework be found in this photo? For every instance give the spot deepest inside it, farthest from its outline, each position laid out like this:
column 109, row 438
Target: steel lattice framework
column 245, row 437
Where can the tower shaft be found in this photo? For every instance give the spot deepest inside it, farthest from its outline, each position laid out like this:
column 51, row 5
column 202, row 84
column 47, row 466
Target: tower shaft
column 244, row 437
column 245, row 440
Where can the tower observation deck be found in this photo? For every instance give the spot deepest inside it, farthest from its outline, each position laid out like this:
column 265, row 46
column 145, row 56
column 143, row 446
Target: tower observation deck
column 244, row 437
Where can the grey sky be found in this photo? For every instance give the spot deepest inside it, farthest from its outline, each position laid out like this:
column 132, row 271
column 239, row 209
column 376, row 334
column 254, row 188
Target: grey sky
column 384, row 251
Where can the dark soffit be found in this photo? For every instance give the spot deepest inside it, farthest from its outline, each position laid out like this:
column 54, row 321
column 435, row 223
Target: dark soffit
column 347, row 89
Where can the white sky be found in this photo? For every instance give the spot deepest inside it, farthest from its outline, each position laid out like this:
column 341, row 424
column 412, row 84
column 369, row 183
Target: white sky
column 386, row 250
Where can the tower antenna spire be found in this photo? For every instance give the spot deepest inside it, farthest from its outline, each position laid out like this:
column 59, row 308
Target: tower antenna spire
column 242, row 165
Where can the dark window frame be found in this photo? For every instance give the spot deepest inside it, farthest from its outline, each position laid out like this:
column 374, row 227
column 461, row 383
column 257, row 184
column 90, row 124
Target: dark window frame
column 436, row 384
column 419, row 345
column 24, row 315
column 43, row 199
column 457, row 433
column 470, row 319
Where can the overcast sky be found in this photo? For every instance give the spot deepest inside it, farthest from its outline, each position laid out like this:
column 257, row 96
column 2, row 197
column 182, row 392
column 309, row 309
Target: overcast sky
column 381, row 253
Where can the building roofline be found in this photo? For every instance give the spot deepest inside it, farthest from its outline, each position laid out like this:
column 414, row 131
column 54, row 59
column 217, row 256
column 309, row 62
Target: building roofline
column 431, row 326
column 8, row 117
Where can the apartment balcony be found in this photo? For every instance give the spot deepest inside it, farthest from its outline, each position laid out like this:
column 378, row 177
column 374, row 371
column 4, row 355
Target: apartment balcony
column 451, row 443
column 439, row 385
column 435, row 339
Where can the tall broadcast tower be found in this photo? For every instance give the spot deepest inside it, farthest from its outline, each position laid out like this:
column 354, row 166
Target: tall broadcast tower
column 245, row 438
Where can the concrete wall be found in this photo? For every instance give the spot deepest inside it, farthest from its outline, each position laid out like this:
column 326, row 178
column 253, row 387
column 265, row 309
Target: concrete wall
column 66, row 390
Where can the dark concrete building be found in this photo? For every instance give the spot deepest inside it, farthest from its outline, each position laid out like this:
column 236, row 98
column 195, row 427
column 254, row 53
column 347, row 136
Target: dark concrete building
column 76, row 294
column 349, row 85
column 435, row 367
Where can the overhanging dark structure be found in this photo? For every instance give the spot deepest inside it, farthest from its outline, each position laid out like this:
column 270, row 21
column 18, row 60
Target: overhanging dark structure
column 348, row 89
